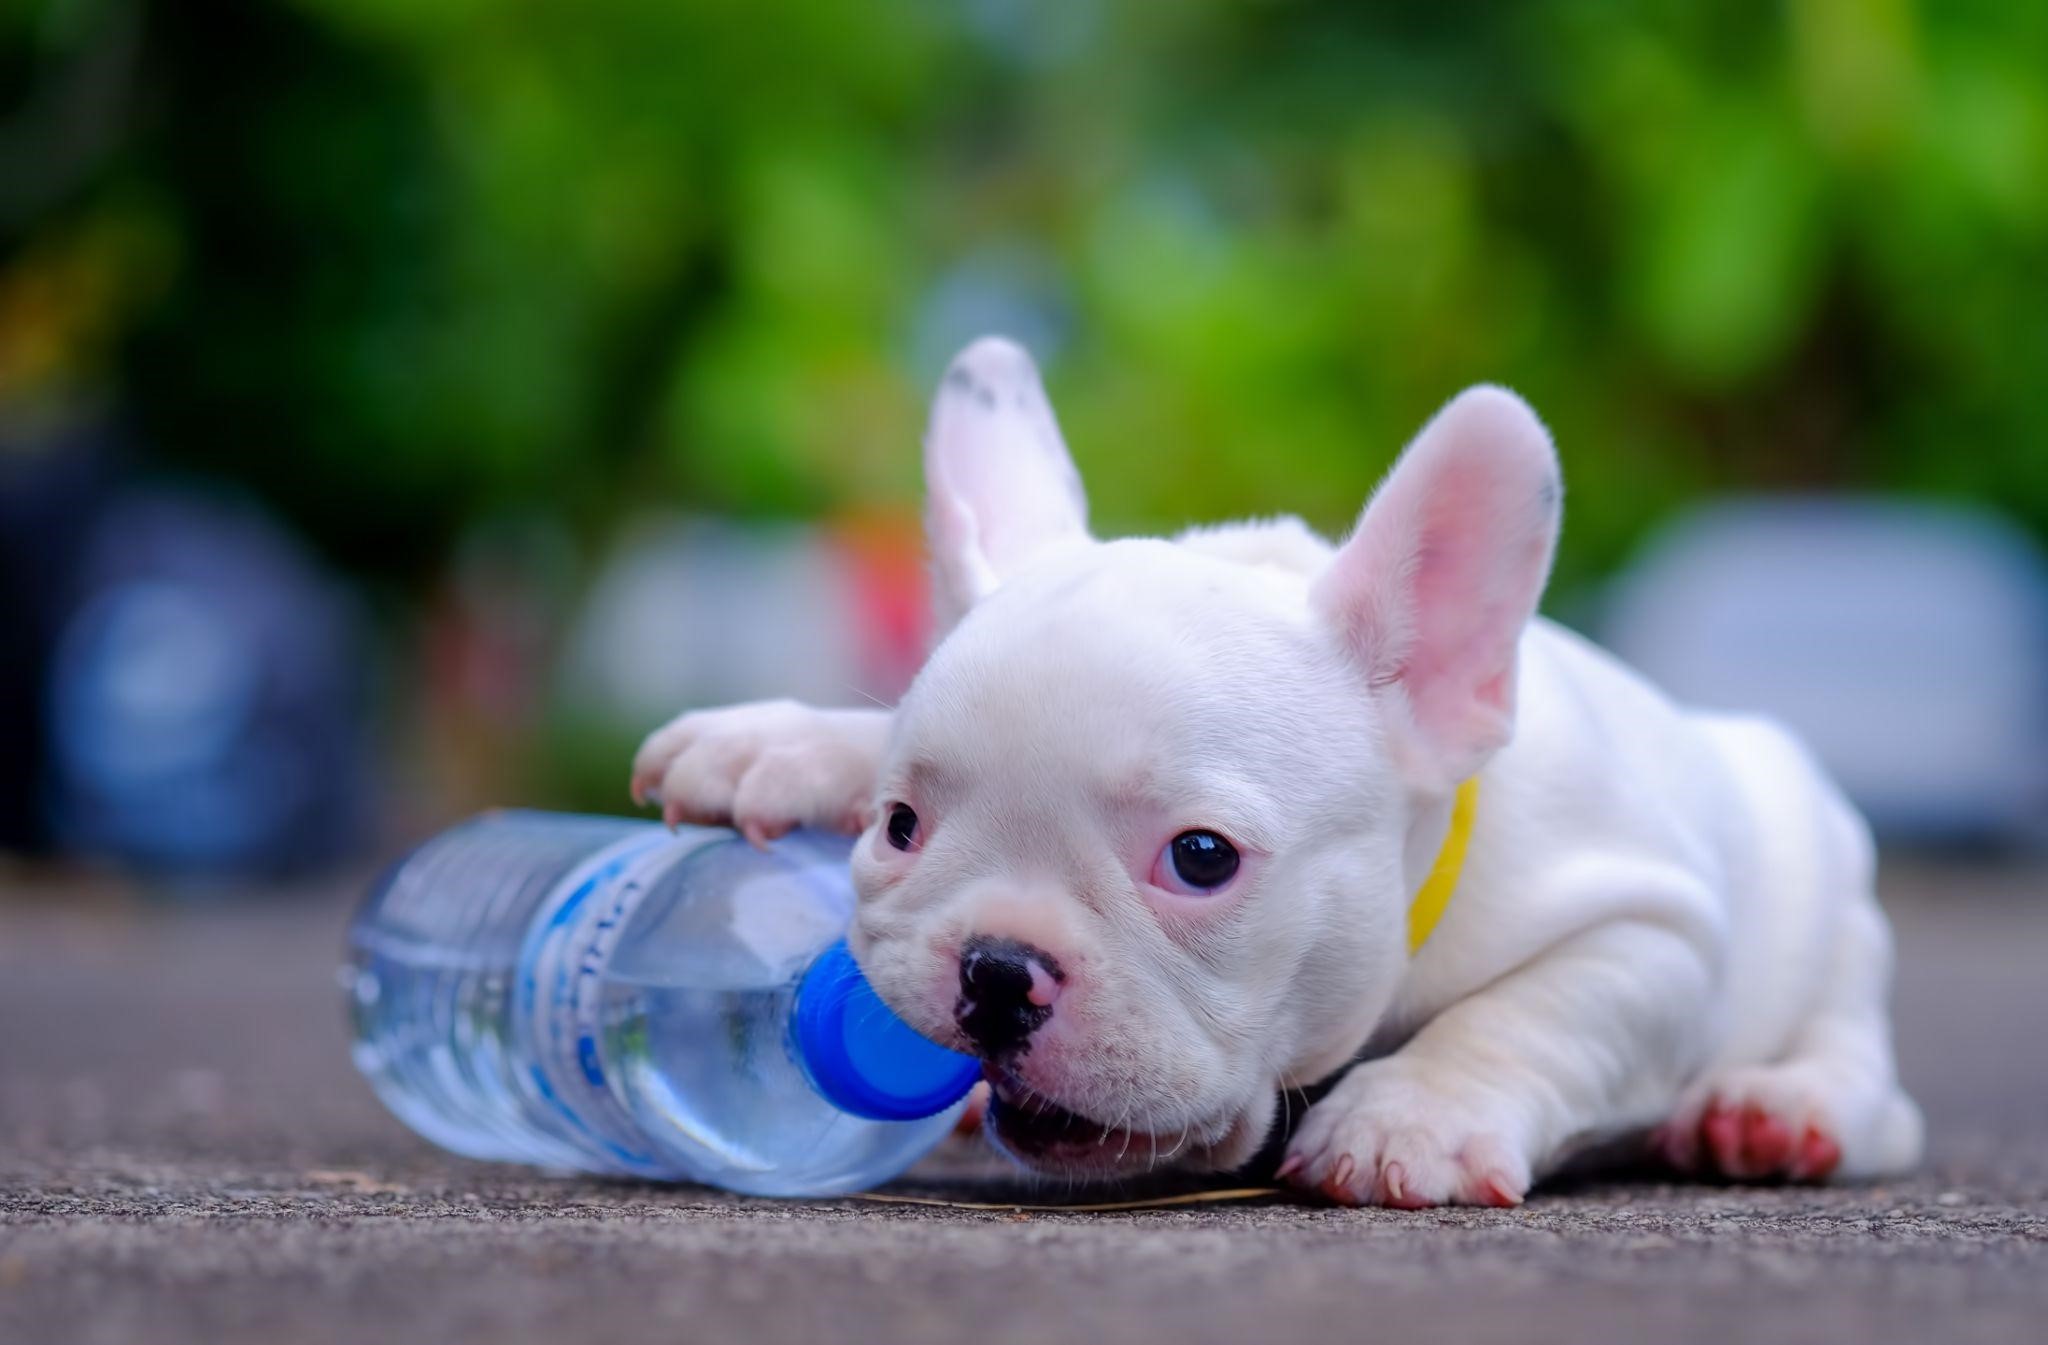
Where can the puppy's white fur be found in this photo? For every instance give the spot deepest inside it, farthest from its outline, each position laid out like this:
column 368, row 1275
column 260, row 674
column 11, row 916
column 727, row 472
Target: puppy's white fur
column 1665, row 924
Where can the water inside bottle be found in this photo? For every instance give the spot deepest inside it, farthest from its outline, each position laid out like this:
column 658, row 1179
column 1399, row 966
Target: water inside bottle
column 697, row 1011
column 430, row 983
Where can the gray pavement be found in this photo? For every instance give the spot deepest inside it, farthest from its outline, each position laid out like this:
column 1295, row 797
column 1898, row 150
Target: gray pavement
column 185, row 1155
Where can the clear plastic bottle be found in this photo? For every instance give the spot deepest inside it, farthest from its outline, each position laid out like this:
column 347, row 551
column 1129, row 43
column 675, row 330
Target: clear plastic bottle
column 605, row 995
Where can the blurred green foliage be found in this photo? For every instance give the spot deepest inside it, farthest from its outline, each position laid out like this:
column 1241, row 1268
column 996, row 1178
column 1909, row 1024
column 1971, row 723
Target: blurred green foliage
column 403, row 262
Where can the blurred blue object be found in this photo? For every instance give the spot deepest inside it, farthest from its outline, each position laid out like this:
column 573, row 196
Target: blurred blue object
column 1908, row 644
column 205, row 708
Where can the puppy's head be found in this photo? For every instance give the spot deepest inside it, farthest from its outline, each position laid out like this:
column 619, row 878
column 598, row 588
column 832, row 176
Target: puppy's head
column 1143, row 836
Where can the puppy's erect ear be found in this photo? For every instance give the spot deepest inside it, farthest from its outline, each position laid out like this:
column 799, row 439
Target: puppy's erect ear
column 1445, row 568
column 999, row 485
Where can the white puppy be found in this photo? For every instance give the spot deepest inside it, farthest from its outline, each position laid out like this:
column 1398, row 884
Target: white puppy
column 1152, row 829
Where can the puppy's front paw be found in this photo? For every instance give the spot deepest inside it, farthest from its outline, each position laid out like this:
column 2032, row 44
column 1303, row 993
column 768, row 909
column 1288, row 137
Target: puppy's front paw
column 766, row 768
column 1390, row 1135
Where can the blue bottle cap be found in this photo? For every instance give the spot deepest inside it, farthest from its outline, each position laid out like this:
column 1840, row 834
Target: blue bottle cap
column 863, row 1058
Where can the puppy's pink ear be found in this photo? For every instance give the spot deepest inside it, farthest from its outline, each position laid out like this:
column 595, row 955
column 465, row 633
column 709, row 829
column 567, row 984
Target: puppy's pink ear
column 1432, row 590
column 999, row 486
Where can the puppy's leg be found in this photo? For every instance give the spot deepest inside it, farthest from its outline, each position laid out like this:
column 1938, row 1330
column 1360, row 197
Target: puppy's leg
column 765, row 767
column 1589, row 1040
column 1832, row 1107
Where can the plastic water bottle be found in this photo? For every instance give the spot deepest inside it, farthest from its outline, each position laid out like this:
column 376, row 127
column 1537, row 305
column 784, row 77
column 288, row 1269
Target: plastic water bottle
column 607, row 996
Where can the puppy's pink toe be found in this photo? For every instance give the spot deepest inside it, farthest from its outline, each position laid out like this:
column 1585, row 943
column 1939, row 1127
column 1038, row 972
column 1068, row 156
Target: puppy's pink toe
column 1337, row 1186
column 1818, row 1156
column 1289, row 1168
column 1394, row 1180
column 1722, row 1130
column 760, row 832
column 1766, row 1141
column 1500, row 1191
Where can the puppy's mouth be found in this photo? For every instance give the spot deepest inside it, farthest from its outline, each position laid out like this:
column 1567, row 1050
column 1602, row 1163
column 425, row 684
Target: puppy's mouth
column 1040, row 1133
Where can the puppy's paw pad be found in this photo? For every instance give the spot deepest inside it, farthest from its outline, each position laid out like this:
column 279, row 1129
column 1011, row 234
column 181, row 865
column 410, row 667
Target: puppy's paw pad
column 1753, row 1124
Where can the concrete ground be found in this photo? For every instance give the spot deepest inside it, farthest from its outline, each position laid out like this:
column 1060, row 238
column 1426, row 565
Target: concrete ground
column 185, row 1155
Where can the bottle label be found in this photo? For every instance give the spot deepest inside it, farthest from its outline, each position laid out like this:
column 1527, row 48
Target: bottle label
column 560, row 989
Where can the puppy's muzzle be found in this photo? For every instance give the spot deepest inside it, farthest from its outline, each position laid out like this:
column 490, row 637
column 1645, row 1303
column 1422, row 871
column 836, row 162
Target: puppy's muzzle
column 1007, row 990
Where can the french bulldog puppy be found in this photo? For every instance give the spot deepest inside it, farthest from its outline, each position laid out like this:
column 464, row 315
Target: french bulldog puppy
column 1145, row 832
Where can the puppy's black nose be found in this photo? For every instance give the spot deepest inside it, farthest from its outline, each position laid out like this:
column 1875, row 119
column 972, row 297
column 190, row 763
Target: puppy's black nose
column 1006, row 993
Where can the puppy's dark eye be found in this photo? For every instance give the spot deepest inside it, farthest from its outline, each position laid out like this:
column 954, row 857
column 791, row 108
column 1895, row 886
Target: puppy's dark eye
column 902, row 826
column 1202, row 860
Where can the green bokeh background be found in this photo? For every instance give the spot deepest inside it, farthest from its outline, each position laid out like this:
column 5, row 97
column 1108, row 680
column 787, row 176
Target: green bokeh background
column 399, row 264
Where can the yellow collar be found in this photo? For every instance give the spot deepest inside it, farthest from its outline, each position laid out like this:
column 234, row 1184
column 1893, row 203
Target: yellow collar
column 1429, row 904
